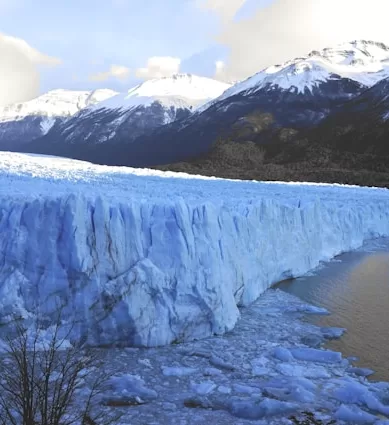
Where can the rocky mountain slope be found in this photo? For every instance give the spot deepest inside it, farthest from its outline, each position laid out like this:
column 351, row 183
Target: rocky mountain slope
column 127, row 116
column 22, row 122
column 350, row 146
column 288, row 98
column 275, row 104
column 362, row 126
column 279, row 109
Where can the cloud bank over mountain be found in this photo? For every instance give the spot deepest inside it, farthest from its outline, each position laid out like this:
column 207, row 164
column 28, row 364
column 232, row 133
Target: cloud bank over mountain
column 19, row 70
column 285, row 29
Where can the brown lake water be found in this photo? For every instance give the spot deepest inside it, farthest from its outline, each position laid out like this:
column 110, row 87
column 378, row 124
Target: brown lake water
column 354, row 288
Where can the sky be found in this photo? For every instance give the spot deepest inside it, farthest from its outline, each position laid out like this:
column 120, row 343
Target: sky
column 90, row 44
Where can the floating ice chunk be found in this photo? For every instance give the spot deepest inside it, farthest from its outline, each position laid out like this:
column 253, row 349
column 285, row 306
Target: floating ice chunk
column 308, row 309
column 131, row 386
column 252, row 409
column 380, row 386
column 224, row 390
column 178, row 371
column 246, row 389
column 353, row 359
column 198, row 402
column 259, row 371
column 220, row 363
column 332, row 333
column 260, row 361
column 352, row 392
column 312, row 340
column 203, row 388
column 286, row 382
column 211, row 371
column 354, row 415
column 296, row 389
column 317, row 356
column 198, row 353
column 360, row 371
column 314, row 372
column 290, row 393
column 283, row 354
column 301, row 395
column 145, row 362
column 259, row 366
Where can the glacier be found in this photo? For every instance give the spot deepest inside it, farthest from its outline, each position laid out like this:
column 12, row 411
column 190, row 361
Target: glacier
column 138, row 257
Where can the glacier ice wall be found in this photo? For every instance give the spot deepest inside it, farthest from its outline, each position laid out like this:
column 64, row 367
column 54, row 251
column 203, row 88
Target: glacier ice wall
column 151, row 259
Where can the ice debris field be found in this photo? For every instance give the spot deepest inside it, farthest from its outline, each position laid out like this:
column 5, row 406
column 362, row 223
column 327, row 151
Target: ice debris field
column 269, row 369
column 145, row 258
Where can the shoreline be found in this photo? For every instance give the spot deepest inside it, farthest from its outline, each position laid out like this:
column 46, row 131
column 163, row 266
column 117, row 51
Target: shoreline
column 266, row 370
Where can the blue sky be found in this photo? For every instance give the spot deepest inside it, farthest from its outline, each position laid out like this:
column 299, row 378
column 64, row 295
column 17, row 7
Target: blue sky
column 88, row 44
column 89, row 36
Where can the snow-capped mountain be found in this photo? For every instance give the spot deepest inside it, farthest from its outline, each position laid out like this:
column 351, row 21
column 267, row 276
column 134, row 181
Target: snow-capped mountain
column 365, row 62
column 55, row 103
column 283, row 99
column 181, row 91
column 153, row 123
column 22, row 122
column 187, row 86
column 129, row 115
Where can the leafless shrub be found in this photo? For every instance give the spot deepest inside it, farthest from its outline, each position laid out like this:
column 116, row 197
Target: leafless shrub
column 45, row 382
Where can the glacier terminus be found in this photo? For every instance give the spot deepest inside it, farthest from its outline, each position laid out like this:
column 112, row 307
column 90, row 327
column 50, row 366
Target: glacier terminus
column 139, row 257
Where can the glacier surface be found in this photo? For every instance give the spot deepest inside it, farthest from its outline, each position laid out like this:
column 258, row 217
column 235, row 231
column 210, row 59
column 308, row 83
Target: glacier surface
column 141, row 257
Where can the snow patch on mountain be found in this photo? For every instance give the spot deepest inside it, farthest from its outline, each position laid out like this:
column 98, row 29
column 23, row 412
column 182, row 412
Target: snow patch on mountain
column 142, row 257
column 181, row 91
column 143, row 108
column 47, row 124
column 129, row 102
column 365, row 62
column 55, row 103
column 183, row 85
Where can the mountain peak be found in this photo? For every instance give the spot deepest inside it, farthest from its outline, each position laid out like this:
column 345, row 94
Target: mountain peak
column 55, row 103
column 182, row 76
column 357, row 43
column 186, row 86
column 353, row 52
column 183, row 91
column 361, row 61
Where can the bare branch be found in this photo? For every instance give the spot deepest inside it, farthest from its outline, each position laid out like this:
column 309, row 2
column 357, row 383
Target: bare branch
column 39, row 382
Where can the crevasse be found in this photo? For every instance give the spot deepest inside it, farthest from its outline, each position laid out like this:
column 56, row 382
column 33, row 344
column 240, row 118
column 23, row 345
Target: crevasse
column 144, row 258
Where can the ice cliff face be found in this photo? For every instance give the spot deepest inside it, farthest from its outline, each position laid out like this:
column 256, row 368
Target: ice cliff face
column 139, row 257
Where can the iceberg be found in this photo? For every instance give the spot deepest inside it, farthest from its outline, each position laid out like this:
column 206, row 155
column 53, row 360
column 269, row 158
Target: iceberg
column 138, row 257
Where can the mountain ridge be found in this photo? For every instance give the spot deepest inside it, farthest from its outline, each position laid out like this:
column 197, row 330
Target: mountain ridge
column 60, row 111
column 276, row 106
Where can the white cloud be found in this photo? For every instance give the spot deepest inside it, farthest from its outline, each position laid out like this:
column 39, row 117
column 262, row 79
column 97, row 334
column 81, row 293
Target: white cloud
column 115, row 71
column 220, row 72
column 19, row 75
column 227, row 9
column 158, row 67
column 29, row 52
column 290, row 28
